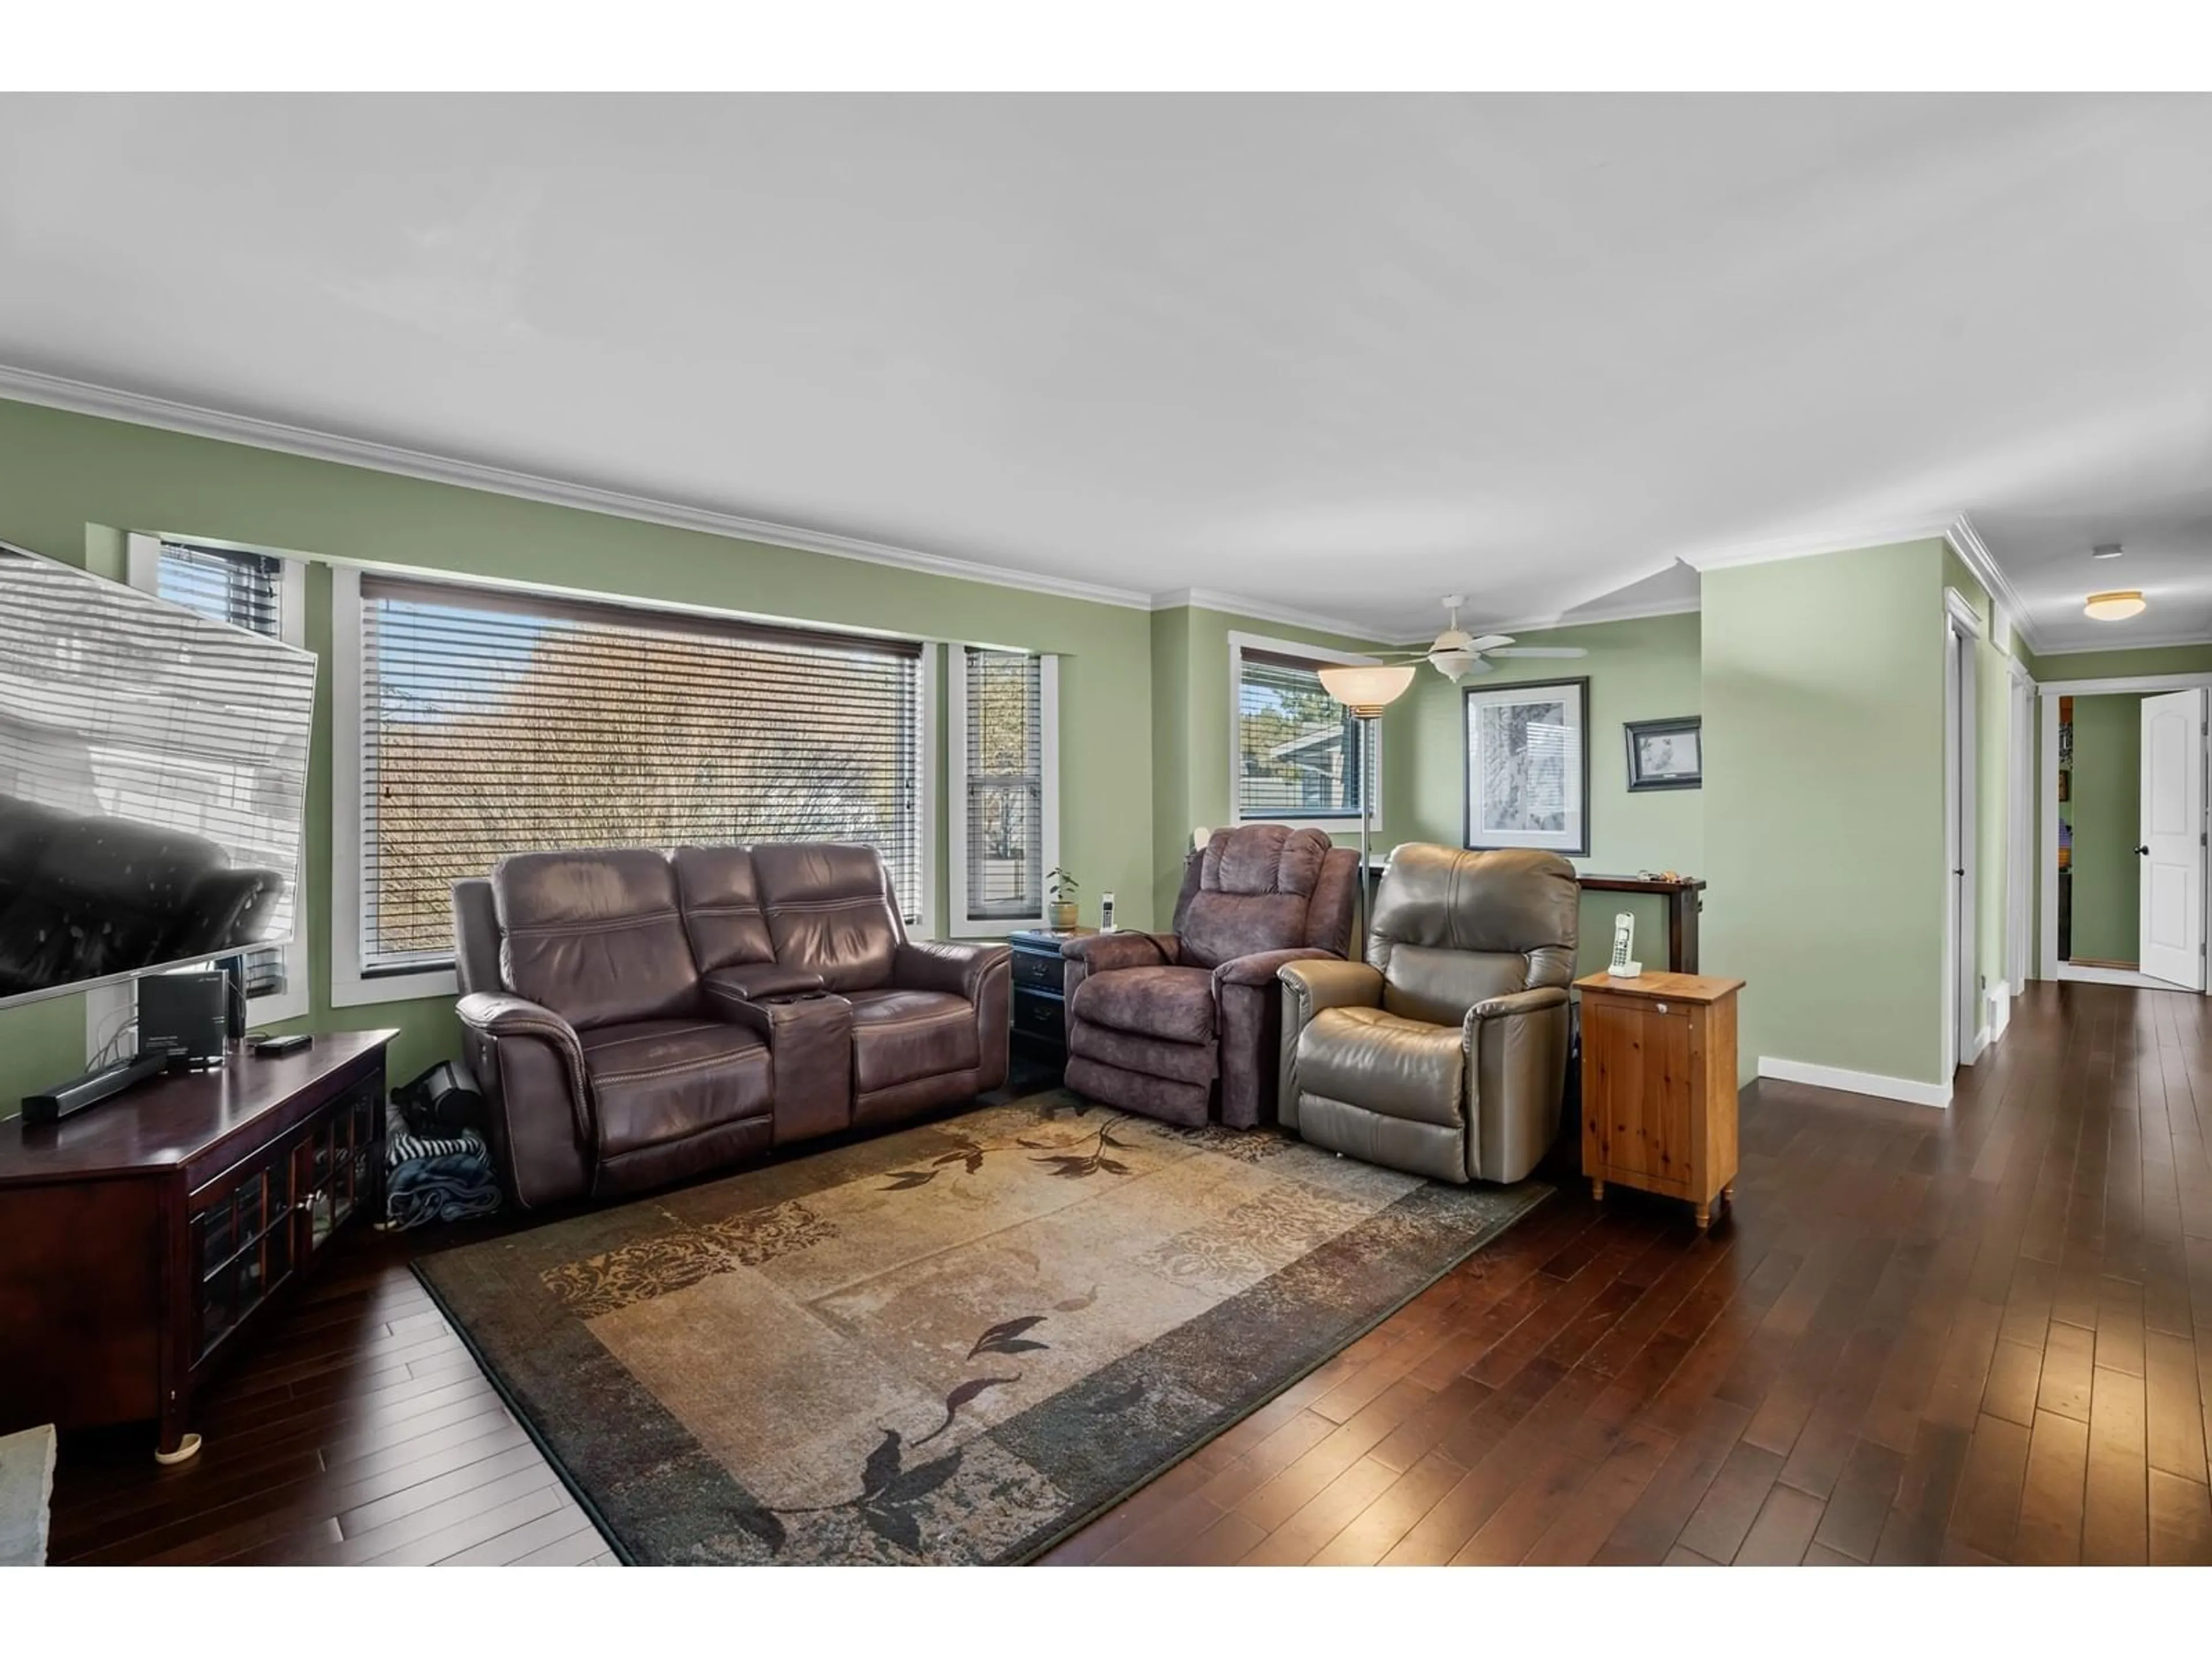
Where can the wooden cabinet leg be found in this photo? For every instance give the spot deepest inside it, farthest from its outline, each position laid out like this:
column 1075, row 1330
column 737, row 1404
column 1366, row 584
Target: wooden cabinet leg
column 1727, row 1194
column 1597, row 1190
column 1704, row 1216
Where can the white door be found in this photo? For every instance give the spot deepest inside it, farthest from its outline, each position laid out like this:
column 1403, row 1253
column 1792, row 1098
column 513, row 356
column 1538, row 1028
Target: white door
column 1962, row 939
column 2170, row 946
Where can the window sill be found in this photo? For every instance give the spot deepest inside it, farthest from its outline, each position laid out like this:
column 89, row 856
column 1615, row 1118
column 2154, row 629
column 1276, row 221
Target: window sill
column 353, row 990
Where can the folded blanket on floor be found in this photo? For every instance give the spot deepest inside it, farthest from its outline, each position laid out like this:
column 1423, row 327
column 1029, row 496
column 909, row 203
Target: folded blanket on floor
column 418, row 1192
column 405, row 1148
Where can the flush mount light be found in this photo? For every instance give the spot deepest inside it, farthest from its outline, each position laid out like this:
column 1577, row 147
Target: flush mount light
column 2115, row 607
column 2106, row 551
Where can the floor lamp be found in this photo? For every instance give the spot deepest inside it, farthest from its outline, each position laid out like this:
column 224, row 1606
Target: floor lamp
column 1366, row 691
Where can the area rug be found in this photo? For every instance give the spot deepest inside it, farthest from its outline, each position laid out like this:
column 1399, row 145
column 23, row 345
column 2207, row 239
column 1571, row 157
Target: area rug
column 951, row 1344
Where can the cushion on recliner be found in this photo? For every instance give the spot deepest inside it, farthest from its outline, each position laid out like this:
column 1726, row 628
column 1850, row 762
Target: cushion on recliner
column 901, row 1036
column 720, row 896
column 1397, row 1067
column 1174, row 1004
column 1253, row 886
column 829, row 908
column 659, row 1080
column 595, row 936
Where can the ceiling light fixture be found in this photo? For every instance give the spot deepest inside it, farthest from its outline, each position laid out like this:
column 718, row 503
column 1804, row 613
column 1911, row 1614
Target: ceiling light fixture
column 2106, row 551
column 2116, row 606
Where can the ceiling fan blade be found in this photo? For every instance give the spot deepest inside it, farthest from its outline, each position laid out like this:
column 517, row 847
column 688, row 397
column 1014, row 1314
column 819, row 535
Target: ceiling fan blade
column 1479, row 665
column 1539, row 651
column 1490, row 641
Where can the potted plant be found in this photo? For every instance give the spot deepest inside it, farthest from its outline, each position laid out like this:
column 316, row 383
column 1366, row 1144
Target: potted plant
column 1063, row 913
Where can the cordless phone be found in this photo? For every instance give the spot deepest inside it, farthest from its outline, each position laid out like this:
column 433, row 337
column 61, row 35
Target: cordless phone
column 1623, row 940
column 1106, row 913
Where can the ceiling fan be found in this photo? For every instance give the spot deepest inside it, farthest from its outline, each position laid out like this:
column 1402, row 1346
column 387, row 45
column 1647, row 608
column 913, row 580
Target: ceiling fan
column 1456, row 653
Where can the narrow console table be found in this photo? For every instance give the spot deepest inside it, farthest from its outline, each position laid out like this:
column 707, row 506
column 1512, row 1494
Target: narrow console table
column 1683, row 904
column 141, row 1238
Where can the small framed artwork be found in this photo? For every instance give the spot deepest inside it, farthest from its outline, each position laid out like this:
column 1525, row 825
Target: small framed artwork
column 1665, row 754
column 1528, row 766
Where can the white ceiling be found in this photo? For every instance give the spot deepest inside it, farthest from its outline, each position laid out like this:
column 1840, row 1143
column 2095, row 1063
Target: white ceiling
column 1337, row 354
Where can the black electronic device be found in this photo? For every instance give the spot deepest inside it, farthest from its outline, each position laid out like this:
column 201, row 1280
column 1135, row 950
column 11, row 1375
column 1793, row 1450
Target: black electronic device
column 94, row 1086
column 273, row 1047
column 233, row 973
column 440, row 1101
column 187, row 1015
column 128, row 718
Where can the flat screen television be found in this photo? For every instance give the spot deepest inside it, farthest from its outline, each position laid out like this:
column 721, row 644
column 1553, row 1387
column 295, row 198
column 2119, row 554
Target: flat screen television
column 153, row 781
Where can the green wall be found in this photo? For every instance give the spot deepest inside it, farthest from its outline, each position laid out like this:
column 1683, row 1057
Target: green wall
column 1646, row 669
column 2105, row 805
column 65, row 476
column 1823, row 703
column 2122, row 663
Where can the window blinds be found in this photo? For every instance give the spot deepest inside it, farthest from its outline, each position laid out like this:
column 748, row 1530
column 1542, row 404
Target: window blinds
column 1004, row 773
column 244, row 589
column 1297, row 748
column 495, row 723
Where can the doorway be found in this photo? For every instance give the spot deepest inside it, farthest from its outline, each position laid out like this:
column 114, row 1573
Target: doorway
column 1966, row 1033
column 2122, row 865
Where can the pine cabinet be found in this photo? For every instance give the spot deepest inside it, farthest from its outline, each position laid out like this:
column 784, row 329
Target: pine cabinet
column 1659, row 1085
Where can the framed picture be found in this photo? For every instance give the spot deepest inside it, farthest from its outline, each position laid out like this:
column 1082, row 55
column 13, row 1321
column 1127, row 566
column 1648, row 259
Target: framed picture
column 1528, row 766
column 1665, row 754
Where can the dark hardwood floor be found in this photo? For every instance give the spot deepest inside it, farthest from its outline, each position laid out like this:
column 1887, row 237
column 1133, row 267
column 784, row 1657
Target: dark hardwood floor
column 1971, row 1336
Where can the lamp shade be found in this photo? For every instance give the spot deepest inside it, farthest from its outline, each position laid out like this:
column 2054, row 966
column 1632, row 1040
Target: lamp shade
column 1368, row 690
column 2105, row 607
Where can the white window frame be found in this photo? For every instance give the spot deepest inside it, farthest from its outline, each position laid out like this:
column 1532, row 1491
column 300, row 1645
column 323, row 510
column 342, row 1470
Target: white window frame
column 1239, row 644
column 142, row 570
column 961, row 924
column 349, row 987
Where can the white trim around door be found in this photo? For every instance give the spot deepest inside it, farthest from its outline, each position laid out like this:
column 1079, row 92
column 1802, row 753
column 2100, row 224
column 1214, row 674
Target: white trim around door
column 2046, row 871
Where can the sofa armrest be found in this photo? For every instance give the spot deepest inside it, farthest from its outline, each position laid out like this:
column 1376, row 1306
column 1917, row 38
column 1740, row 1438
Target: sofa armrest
column 498, row 1015
column 751, row 982
column 1329, row 981
column 1262, row 966
column 1101, row 953
column 1518, row 1002
column 942, row 965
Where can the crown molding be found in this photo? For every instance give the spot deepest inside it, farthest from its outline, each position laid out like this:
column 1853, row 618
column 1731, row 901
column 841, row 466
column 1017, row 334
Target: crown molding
column 1209, row 599
column 2143, row 642
column 1814, row 546
column 138, row 409
column 1588, row 617
column 1966, row 542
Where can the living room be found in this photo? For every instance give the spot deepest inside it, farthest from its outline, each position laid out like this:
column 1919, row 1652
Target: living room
column 1211, row 872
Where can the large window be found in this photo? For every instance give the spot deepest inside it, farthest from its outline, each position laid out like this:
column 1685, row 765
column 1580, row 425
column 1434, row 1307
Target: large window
column 1296, row 753
column 493, row 722
column 259, row 591
column 1005, row 817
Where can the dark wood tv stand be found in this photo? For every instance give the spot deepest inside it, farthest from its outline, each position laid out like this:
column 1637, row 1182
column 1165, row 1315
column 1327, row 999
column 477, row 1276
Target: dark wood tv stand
column 139, row 1239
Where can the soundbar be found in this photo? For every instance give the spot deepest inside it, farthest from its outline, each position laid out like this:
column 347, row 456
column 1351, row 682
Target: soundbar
column 79, row 1092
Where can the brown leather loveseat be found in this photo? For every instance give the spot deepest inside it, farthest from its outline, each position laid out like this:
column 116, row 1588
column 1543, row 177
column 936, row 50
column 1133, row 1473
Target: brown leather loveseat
column 634, row 1016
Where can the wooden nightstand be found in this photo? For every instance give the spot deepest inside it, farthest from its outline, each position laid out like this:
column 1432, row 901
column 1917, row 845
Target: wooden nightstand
column 1040, row 1011
column 1659, row 1087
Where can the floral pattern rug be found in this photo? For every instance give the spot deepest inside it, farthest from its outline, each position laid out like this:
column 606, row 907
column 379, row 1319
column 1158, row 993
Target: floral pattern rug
column 954, row 1344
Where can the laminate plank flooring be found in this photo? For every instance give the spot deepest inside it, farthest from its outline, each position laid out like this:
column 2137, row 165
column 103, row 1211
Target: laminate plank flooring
column 1968, row 1336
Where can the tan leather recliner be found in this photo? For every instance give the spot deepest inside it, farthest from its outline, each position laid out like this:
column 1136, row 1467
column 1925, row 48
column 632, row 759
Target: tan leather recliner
column 1445, row 1053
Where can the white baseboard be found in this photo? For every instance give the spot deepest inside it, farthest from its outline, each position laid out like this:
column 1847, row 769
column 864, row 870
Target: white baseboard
column 2000, row 1009
column 1977, row 1047
column 1856, row 1083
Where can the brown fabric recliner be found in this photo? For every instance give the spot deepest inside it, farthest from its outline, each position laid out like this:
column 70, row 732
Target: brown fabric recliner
column 1183, row 1025
column 1445, row 1052
column 634, row 1016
